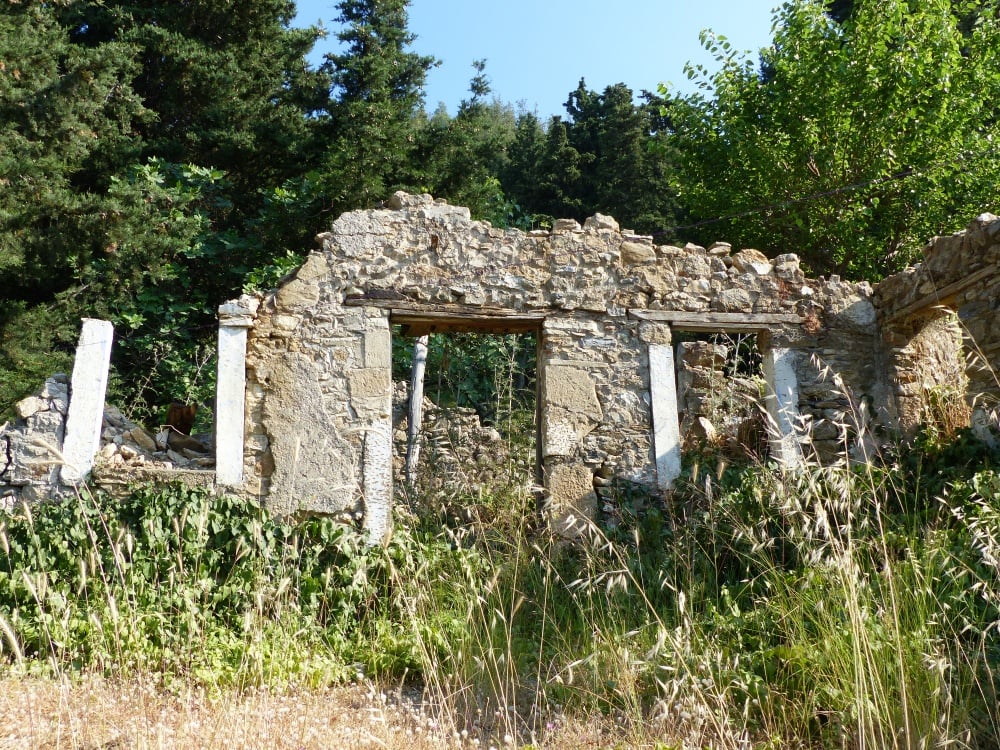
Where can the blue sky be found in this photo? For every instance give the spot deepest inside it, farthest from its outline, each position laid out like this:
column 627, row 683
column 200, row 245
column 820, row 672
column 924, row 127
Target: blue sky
column 536, row 51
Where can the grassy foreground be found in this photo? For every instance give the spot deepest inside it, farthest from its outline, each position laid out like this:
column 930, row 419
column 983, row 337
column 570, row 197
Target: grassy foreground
column 826, row 608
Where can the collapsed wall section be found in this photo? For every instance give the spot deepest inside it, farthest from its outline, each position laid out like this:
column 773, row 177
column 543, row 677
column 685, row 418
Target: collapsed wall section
column 938, row 321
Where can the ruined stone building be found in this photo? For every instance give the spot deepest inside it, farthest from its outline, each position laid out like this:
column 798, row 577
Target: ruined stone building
column 304, row 416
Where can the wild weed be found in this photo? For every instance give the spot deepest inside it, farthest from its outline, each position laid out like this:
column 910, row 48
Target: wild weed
column 848, row 606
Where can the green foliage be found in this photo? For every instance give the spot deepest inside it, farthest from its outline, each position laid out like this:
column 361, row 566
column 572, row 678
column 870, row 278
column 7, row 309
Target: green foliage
column 459, row 158
column 65, row 110
column 754, row 606
column 34, row 343
column 599, row 160
column 474, row 370
column 189, row 585
column 852, row 143
column 151, row 154
column 228, row 84
column 377, row 92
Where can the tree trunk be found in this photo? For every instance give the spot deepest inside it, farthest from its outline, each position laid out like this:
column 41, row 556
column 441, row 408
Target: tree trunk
column 416, row 408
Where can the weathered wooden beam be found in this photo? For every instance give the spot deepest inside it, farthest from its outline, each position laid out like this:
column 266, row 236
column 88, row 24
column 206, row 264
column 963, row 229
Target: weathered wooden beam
column 443, row 308
column 419, row 319
column 427, row 325
column 943, row 295
column 684, row 320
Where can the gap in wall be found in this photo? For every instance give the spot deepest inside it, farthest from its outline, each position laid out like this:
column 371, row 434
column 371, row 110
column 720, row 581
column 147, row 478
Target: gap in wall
column 479, row 429
column 720, row 394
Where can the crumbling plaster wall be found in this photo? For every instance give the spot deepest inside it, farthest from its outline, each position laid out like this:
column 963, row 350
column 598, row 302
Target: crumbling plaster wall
column 318, row 413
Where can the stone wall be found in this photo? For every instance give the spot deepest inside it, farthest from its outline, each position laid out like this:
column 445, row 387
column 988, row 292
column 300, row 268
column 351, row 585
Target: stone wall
column 939, row 325
column 459, row 455
column 30, row 448
column 311, row 427
column 318, row 414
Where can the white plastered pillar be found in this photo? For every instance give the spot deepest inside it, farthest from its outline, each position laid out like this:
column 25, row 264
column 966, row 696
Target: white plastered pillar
column 663, row 400
column 783, row 405
column 236, row 317
column 88, row 388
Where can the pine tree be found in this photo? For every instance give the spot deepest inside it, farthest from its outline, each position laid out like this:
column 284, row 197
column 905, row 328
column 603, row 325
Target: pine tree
column 377, row 95
column 598, row 160
column 460, row 158
column 64, row 112
column 227, row 83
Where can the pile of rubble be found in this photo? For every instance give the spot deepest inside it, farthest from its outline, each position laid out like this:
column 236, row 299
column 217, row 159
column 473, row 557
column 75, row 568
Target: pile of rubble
column 126, row 444
column 719, row 409
column 31, row 448
column 457, row 451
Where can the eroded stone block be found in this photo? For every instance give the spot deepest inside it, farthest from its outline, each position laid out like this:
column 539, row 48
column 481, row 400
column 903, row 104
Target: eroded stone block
column 573, row 499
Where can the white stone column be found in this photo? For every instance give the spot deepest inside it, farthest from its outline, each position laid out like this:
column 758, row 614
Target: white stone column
column 377, row 481
column 235, row 318
column 86, row 405
column 377, row 460
column 783, row 405
column 666, row 425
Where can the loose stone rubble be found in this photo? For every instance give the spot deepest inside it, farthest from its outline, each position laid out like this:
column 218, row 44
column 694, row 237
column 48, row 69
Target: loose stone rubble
column 30, row 449
column 459, row 455
column 845, row 367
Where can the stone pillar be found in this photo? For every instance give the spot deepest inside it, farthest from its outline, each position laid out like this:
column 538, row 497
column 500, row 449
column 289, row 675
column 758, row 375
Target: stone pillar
column 235, row 318
column 86, row 406
column 570, row 410
column 374, row 400
column 377, row 481
column 783, row 405
column 666, row 425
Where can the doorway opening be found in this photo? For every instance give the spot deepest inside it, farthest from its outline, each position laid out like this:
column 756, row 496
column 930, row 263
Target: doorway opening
column 476, row 437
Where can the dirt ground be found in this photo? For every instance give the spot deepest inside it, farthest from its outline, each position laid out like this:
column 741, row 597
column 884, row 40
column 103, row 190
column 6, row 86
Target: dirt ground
column 94, row 714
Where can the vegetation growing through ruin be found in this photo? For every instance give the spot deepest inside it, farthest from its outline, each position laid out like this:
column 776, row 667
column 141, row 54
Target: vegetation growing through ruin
column 853, row 607
column 148, row 174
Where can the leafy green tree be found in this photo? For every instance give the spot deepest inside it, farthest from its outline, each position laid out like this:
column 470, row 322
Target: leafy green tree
column 862, row 138
column 377, row 95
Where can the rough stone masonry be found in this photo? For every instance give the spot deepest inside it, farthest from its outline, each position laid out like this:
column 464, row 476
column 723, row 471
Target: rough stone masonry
column 604, row 304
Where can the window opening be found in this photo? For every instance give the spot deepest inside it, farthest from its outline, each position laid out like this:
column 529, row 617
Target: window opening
column 720, row 394
column 478, row 436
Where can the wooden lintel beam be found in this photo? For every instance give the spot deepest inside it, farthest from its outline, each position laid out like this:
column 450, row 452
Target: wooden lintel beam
column 413, row 325
column 402, row 307
column 941, row 296
column 420, row 319
column 708, row 322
